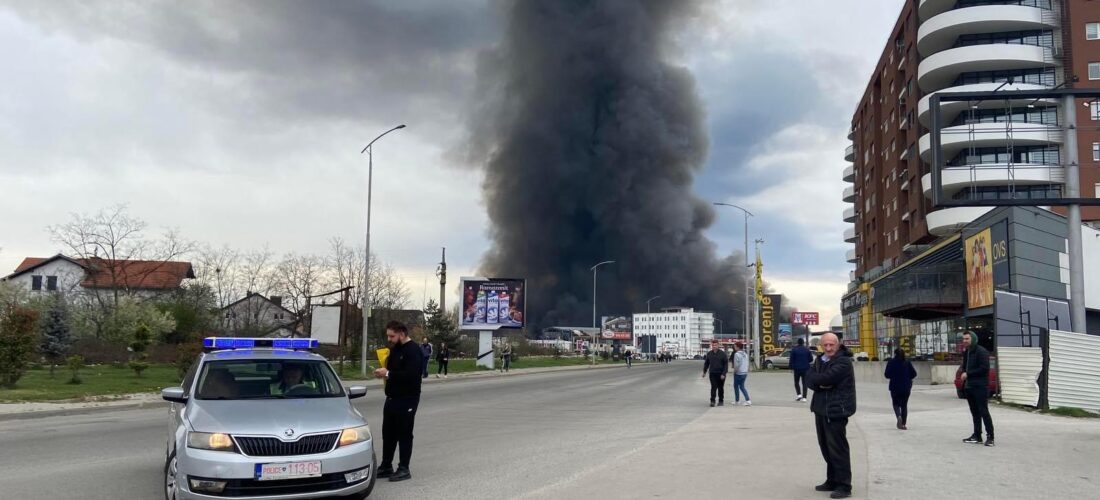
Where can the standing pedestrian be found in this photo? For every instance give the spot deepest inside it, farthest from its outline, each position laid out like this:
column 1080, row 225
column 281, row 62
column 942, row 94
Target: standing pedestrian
column 975, row 376
column 402, row 376
column 716, row 364
column 629, row 357
column 901, row 373
column 443, row 359
column 801, row 357
column 833, row 380
column 426, row 350
column 740, row 375
column 506, row 356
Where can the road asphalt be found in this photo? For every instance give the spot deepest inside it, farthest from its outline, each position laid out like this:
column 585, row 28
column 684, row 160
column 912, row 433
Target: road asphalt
column 646, row 432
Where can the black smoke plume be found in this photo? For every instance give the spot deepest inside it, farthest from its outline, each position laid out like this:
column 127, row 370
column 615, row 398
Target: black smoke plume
column 590, row 140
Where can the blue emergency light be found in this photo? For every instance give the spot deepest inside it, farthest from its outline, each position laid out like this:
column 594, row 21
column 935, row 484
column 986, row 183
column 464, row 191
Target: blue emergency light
column 211, row 343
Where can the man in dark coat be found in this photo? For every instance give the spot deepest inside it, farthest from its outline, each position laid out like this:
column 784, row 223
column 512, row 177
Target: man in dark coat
column 801, row 357
column 717, row 366
column 833, row 381
column 402, row 376
column 975, row 376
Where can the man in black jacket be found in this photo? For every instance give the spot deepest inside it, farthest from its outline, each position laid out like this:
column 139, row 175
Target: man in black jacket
column 833, row 381
column 402, row 375
column 975, row 376
column 717, row 365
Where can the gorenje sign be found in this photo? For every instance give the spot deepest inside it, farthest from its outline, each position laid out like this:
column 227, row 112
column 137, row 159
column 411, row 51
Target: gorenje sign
column 493, row 303
column 769, row 321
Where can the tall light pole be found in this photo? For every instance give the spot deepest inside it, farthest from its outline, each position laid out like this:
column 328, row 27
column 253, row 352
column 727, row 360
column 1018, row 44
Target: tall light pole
column 749, row 296
column 366, row 270
column 594, row 268
column 651, row 299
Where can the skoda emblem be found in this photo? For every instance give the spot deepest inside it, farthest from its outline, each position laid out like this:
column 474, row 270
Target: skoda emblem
column 289, row 433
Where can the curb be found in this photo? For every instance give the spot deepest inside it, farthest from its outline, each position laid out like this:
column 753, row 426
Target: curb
column 25, row 415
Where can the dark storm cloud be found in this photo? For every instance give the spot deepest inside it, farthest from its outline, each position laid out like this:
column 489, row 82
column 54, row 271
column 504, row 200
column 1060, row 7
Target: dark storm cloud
column 591, row 140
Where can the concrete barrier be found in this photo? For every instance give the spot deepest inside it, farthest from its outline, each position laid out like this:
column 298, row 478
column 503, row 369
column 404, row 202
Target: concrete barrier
column 928, row 373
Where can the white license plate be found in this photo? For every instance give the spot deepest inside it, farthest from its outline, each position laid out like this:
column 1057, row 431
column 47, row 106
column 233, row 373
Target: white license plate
column 292, row 470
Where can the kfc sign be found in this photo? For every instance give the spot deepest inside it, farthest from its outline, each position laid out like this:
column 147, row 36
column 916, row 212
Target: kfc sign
column 804, row 318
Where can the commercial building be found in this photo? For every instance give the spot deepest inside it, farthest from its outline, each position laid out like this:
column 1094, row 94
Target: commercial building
column 680, row 330
column 910, row 282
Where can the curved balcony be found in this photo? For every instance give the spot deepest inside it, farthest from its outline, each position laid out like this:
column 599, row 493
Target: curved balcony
column 938, row 70
column 850, row 153
column 955, row 179
column 850, row 235
column 850, row 214
column 852, row 133
column 951, row 220
column 849, row 173
column 940, row 32
column 950, row 110
column 932, row 8
column 850, row 256
column 980, row 135
column 849, row 194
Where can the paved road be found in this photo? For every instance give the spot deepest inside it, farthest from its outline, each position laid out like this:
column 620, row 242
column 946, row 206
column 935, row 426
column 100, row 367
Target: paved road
column 485, row 438
column 615, row 434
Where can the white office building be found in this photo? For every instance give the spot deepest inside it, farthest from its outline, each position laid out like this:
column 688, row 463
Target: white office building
column 679, row 330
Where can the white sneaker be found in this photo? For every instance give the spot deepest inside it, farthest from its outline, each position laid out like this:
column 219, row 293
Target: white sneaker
column 798, row 397
column 748, row 403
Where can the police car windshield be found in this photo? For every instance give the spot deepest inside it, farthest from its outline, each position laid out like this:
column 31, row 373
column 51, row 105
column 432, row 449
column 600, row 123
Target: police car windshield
column 267, row 379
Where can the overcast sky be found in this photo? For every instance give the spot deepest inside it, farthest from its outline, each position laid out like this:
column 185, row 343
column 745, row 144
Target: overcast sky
column 241, row 124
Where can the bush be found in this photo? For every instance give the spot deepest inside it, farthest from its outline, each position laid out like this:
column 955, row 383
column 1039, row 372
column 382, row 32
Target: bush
column 138, row 367
column 74, row 364
column 186, row 356
column 18, row 341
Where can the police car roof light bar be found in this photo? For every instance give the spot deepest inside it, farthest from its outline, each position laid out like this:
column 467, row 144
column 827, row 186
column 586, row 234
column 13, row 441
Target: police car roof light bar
column 212, row 343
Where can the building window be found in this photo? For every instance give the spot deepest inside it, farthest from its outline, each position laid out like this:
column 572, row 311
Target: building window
column 1096, row 191
column 1096, row 151
column 1094, row 71
column 1092, row 31
column 51, row 283
column 36, row 283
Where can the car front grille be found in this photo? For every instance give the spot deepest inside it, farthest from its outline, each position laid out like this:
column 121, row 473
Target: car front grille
column 273, row 447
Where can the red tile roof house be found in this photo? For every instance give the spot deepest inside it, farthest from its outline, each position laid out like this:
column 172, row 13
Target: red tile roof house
column 68, row 275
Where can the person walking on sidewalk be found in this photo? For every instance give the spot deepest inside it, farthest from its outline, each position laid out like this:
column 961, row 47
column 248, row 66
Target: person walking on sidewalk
column 402, row 376
column 975, row 376
column 901, row 373
column 628, row 357
column 801, row 357
column 506, row 356
column 426, row 350
column 740, row 375
column 716, row 364
column 443, row 359
column 833, row 381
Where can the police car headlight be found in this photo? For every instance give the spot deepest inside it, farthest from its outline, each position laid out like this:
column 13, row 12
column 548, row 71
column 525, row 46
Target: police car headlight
column 355, row 435
column 210, row 441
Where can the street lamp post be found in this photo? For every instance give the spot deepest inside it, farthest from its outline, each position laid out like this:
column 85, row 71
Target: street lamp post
column 594, row 268
column 749, row 296
column 651, row 299
column 366, row 270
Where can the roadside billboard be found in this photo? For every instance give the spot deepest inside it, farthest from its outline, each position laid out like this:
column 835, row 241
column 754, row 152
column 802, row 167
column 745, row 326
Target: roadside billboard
column 804, row 318
column 785, row 332
column 493, row 303
column 620, row 328
column 769, row 321
column 978, row 254
column 324, row 324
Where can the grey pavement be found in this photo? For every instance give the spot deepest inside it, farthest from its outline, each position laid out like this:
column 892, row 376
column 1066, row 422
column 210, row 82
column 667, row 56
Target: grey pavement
column 614, row 433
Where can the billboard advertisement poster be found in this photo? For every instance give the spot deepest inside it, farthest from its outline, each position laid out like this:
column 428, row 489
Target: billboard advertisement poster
column 620, row 328
column 325, row 324
column 785, row 332
column 804, row 318
column 979, row 269
column 769, row 321
column 493, row 303
column 998, row 233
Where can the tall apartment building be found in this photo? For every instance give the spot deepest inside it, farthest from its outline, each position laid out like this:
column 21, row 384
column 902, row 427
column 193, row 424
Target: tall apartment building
column 991, row 150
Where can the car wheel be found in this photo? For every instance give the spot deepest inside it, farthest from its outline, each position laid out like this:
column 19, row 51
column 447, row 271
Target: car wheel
column 171, row 486
column 768, row 365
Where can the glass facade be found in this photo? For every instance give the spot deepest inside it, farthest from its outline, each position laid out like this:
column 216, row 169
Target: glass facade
column 1039, row 38
column 1038, row 76
column 1008, row 192
column 1042, row 155
column 1015, row 115
column 1042, row 4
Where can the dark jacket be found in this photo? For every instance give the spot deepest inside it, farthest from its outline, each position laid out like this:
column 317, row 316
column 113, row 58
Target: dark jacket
column 975, row 364
column 716, row 362
column 406, row 364
column 444, row 354
column 426, row 350
column 901, row 375
column 801, row 357
column 834, row 385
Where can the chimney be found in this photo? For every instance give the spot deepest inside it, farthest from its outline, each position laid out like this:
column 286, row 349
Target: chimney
column 277, row 300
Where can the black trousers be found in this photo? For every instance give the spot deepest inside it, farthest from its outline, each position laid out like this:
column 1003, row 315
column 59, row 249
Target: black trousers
column 717, row 385
column 424, row 371
column 900, row 400
column 398, row 417
column 505, row 362
column 832, row 438
column 800, row 376
column 978, row 399
column 442, row 367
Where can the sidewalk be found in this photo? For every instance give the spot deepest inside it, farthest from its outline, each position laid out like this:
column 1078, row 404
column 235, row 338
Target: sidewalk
column 770, row 450
column 11, row 411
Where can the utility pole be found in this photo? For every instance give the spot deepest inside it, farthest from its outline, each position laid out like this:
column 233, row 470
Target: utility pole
column 441, row 272
column 1073, row 219
column 756, row 347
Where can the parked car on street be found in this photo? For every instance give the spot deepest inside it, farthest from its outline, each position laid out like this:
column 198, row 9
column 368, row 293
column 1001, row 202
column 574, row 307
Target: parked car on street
column 239, row 426
column 994, row 382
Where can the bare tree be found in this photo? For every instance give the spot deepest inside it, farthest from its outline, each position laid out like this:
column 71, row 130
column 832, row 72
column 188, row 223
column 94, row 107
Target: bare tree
column 298, row 277
column 345, row 264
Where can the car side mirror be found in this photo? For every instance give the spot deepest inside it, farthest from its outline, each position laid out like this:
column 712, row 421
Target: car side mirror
column 356, row 391
column 174, row 394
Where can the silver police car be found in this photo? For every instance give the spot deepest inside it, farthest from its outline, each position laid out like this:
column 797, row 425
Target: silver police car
column 266, row 419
